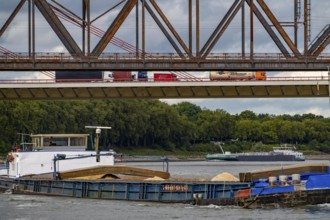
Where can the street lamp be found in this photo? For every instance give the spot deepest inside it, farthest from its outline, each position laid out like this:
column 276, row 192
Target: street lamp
column 98, row 133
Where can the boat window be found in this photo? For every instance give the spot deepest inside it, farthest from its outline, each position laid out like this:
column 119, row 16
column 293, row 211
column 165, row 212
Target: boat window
column 77, row 141
column 56, row 141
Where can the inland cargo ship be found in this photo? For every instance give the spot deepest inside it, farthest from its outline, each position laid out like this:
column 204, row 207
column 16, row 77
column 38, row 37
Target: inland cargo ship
column 278, row 154
column 31, row 172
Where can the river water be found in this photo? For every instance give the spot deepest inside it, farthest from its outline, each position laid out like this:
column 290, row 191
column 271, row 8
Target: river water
column 27, row 207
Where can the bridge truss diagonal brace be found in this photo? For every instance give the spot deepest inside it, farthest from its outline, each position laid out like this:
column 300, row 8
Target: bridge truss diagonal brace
column 58, row 28
column 269, row 30
column 169, row 38
column 322, row 47
column 12, row 16
column 224, row 23
column 279, row 28
column 169, row 25
column 321, row 42
column 115, row 25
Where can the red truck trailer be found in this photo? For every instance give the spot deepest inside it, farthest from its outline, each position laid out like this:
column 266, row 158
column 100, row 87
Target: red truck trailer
column 122, row 76
column 165, row 77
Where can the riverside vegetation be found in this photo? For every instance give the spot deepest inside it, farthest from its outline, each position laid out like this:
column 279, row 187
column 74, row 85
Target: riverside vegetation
column 154, row 127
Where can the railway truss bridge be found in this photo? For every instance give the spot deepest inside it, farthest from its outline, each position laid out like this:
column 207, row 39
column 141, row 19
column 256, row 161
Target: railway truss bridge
column 191, row 48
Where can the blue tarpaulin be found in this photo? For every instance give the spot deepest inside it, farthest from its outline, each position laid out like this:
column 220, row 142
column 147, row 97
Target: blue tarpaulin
column 319, row 181
column 272, row 190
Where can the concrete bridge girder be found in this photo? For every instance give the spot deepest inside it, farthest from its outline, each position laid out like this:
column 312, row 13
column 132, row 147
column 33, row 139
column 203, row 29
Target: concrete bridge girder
column 164, row 90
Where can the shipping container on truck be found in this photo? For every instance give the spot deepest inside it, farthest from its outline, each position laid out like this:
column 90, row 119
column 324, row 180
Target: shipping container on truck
column 122, row 76
column 227, row 75
column 83, row 76
column 129, row 76
column 165, row 77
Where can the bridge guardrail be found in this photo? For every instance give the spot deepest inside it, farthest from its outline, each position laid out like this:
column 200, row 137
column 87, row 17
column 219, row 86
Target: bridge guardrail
column 113, row 57
column 151, row 80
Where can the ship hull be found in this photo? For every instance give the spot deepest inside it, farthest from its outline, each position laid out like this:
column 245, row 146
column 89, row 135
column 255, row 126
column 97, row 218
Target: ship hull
column 194, row 192
column 266, row 158
column 252, row 157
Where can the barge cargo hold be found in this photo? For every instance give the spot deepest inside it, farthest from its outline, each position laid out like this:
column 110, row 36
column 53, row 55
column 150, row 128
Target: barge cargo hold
column 203, row 193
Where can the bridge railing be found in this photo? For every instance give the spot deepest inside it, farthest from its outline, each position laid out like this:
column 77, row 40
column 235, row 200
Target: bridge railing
column 113, row 57
column 152, row 80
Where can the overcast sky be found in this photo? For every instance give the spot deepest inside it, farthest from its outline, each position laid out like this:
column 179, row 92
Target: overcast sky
column 212, row 11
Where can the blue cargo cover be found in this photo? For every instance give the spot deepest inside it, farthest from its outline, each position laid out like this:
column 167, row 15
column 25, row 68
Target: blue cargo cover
column 317, row 182
column 272, row 190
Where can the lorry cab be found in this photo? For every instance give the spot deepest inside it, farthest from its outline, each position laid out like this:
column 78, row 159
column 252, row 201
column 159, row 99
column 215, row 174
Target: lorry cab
column 107, row 76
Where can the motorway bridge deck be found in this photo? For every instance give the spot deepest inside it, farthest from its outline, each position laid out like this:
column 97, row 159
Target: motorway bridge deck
column 50, row 90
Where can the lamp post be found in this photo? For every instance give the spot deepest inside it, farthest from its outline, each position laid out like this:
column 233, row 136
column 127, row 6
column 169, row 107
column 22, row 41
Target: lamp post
column 98, row 133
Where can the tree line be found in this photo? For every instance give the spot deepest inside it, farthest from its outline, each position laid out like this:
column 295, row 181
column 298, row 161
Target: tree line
column 152, row 124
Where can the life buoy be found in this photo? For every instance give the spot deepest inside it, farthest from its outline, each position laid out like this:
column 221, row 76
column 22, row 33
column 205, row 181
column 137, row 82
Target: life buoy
column 11, row 157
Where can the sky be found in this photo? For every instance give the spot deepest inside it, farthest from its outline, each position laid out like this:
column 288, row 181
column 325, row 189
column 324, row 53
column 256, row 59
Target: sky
column 211, row 12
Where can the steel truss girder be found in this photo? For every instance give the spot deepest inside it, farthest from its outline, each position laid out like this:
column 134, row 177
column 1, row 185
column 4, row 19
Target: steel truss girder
column 152, row 64
column 322, row 47
column 177, row 49
column 221, row 28
column 185, row 53
column 169, row 25
column 11, row 17
column 279, row 28
column 119, row 20
column 270, row 31
column 58, row 28
column 321, row 42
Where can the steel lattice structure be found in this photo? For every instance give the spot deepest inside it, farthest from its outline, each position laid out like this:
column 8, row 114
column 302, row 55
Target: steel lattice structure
column 190, row 53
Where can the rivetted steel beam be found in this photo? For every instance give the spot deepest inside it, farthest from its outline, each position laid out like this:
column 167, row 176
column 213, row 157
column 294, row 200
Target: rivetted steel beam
column 322, row 47
column 12, row 16
column 197, row 29
column 320, row 40
column 279, row 28
column 58, row 28
column 190, row 24
column 169, row 25
column 160, row 25
column 119, row 20
column 219, row 27
column 270, row 31
column 83, row 25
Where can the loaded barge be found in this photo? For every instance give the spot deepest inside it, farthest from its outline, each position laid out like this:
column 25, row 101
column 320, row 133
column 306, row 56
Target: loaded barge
column 33, row 172
column 58, row 164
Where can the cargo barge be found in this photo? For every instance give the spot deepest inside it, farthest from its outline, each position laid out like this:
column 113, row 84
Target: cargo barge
column 191, row 192
column 32, row 172
column 278, row 154
column 57, row 164
column 282, row 188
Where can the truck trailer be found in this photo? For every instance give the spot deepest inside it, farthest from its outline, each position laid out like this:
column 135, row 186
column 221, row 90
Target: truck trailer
column 227, row 75
column 83, row 76
column 165, row 77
